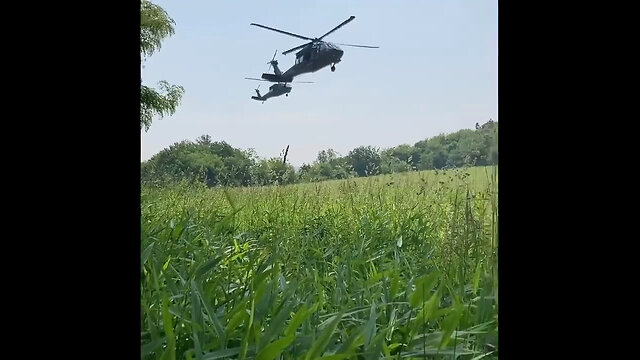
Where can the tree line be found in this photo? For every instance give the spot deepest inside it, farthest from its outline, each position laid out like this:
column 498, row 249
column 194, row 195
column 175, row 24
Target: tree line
column 216, row 163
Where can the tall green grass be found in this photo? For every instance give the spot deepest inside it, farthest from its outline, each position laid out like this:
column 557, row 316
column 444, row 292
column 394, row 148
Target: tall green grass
column 396, row 266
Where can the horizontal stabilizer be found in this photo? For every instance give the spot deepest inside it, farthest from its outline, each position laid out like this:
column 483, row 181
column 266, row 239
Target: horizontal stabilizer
column 277, row 78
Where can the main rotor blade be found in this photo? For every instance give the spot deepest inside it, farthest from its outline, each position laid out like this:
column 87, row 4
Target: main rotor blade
column 296, row 48
column 283, row 32
column 303, row 82
column 338, row 27
column 363, row 46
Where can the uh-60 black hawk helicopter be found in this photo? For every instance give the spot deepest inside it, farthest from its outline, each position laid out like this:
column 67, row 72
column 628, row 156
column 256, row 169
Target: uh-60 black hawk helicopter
column 313, row 56
column 279, row 89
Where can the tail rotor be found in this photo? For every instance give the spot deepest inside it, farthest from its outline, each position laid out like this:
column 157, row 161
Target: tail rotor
column 273, row 61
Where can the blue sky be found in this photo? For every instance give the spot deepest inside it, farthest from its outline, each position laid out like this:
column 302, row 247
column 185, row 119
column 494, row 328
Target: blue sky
column 435, row 72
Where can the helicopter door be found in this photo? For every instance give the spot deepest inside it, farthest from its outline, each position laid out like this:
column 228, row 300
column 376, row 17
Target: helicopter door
column 315, row 52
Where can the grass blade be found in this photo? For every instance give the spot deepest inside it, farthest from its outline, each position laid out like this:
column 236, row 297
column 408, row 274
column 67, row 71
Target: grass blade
column 212, row 315
column 245, row 340
column 321, row 344
column 146, row 253
column 370, row 328
column 300, row 317
column 450, row 323
column 151, row 347
column 356, row 339
column 274, row 349
column 204, row 268
column 221, row 354
column 196, row 318
column 170, row 353
column 423, row 287
column 483, row 355
column 276, row 324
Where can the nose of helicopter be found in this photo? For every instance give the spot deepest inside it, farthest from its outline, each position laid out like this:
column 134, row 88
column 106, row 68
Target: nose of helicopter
column 337, row 54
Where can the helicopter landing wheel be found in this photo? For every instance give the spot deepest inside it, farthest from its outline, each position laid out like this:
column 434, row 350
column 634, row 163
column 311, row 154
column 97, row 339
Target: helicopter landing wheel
column 333, row 68
column 286, row 95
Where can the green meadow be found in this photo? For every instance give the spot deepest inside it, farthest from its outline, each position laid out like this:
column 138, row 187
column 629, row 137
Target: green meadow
column 394, row 266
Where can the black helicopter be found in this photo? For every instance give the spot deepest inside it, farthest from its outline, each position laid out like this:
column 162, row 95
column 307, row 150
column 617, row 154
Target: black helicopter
column 279, row 89
column 274, row 90
column 315, row 55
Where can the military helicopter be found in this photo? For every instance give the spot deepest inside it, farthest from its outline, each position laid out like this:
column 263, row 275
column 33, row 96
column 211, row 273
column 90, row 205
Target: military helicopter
column 279, row 89
column 274, row 90
column 313, row 56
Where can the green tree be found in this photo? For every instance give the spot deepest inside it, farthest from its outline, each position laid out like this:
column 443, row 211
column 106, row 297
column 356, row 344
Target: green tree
column 489, row 131
column 155, row 25
column 304, row 170
column 365, row 160
column 397, row 159
column 471, row 149
column 326, row 156
column 328, row 165
column 212, row 163
column 204, row 140
column 181, row 161
column 434, row 153
column 273, row 172
column 402, row 152
column 390, row 164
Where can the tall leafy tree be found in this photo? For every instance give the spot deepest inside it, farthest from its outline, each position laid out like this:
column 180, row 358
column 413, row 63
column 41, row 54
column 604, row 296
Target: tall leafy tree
column 155, row 26
column 326, row 156
column 212, row 163
column 365, row 160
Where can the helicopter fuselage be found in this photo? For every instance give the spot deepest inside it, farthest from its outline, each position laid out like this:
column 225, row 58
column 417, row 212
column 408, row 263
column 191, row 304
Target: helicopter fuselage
column 308, row 60
column 275, row 90
column 313, row 56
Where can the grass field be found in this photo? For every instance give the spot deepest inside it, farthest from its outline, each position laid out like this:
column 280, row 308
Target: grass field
column 395, row 266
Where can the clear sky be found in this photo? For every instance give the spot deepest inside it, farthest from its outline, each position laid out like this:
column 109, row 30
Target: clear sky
column 436, row 71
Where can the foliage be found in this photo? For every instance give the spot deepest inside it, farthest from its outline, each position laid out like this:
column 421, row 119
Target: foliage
column 155, row 26
column 273, row 172
column 328, row 165
column 396, row 160
column 161, row 103
column 211, row 163
column 400, row 266
column 220, row 164
column 365, row 160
